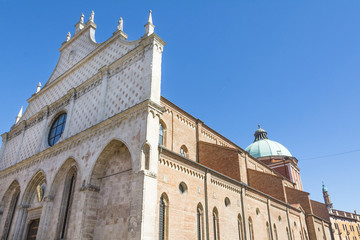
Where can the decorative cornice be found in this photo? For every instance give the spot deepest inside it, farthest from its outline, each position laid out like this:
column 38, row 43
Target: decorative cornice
column 74, row 141
column 90, row 188
column 49, row 198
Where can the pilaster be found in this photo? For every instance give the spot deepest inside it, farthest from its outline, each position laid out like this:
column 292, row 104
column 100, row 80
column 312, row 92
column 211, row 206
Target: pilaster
column 72, row 93
column 3, row 146
column 104, row 85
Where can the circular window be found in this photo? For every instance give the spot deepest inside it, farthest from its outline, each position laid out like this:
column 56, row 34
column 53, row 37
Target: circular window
column 182, row 187
column 57, row 128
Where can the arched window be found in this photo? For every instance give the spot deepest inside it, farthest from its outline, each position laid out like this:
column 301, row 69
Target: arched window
column 57, row 128
column 163, row 217
column 161, row 134
column 67, row 200
column 287, row 233
column 216, row 224
column 240, row 228
column 184, row 151
column 200, row 222
column 275, row 233
column 251, row 229
column 268, row 231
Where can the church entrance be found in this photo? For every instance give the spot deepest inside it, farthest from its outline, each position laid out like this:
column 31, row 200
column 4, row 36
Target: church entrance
column 33, row 228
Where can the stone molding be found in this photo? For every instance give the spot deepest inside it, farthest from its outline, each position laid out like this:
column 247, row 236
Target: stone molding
column 89, row 187
column 74, row 141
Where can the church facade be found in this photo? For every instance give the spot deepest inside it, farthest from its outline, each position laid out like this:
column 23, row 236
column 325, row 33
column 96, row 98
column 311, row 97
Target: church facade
column 100, row 154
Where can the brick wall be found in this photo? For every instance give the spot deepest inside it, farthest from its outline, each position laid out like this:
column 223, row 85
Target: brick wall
column 222, row 159
column 267, row 183
column 320, row 210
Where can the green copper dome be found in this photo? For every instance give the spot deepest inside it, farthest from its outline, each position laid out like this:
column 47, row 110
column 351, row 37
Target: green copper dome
column 263, row 147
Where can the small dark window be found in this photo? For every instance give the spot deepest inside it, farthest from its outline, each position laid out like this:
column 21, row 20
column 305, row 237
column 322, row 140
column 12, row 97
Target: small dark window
column 183, row 187
column 57, row 128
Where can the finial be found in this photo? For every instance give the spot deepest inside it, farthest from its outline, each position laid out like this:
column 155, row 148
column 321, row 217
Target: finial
column 19, row 115
column 260, row 134
column 91, row 19
column 149, row 26
column 68, row 36
column 38, row 87
column 80, row 24
column 150, row 17
column 82, row 18
column 120, row 26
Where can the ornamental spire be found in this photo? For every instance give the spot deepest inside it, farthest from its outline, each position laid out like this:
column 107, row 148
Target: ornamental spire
column 18, row 117
column 120, row 26
column 68, row 36
column 80, row 25
column 82, row 18
column 149, row 26
column 260, row 134
column 150, row 17
column 38, row 87
column 91, row 18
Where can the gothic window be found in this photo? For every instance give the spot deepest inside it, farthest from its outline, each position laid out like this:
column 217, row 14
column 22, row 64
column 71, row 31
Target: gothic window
column 240, row 228
column 10, row 216
column 200, row 222
column 268, row 231
column 183, row 151
column 68, row 195
column 161, row 134
column 216, row 224
column 275, row 233
column 163, row 217
column 57, row 128
column 251, row 229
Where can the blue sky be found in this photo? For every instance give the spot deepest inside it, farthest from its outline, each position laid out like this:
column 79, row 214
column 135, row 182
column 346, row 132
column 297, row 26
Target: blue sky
column 292, row 66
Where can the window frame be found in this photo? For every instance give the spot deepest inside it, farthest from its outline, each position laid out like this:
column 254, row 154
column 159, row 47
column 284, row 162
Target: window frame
column 52, row 140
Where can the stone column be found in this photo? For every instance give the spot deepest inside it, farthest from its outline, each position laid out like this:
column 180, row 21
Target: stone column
column 43, row 230
column 19, row 230
column 88, row 196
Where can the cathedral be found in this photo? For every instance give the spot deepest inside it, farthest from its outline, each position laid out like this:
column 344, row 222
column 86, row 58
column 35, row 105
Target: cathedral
column 99, row 153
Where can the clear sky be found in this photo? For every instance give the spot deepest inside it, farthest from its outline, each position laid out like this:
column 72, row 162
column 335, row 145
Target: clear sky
column 292, row 66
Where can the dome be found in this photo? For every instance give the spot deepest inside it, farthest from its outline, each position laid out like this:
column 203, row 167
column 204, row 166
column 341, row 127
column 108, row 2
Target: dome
column 263, row 147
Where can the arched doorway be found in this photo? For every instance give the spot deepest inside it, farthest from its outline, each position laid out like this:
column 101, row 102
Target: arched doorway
column 111, row 176
column 32, row 202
